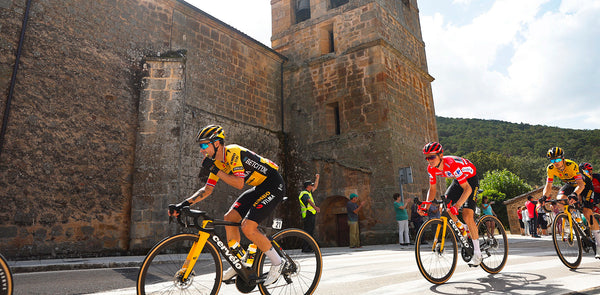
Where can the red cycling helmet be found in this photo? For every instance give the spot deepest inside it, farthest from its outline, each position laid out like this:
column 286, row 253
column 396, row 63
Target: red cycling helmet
column 433, row 148
column 586, row 166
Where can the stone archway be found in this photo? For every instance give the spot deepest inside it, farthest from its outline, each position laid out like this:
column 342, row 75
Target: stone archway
column 332, row 222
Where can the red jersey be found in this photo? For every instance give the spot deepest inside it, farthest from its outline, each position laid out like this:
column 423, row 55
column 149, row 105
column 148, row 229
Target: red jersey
column 453, row 167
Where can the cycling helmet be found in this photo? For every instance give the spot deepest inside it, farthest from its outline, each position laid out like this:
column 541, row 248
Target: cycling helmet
column 433, row 148
column 211, row 132
column 586, row 166
column 555, row 152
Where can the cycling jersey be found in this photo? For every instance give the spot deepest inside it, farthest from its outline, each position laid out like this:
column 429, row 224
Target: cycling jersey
column 569, row 175
column 268, row 189
column 596, row 182
column 243, row 163
column 453, row 167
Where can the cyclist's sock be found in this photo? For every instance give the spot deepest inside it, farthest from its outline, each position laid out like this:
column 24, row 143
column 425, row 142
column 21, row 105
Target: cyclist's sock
column 596, row 234
column 273, row 256
column 476, row 249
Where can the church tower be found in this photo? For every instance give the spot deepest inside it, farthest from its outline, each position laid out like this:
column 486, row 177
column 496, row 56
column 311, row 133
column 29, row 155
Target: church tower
column 357, row 106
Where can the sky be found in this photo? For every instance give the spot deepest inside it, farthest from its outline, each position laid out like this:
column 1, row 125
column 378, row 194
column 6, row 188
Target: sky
column 521, row 61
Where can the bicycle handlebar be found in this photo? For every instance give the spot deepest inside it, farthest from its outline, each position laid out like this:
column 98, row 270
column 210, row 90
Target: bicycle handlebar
column 195, row 215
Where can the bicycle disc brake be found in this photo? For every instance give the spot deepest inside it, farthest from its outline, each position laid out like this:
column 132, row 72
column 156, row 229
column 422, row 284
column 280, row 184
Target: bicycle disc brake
column 180, row 282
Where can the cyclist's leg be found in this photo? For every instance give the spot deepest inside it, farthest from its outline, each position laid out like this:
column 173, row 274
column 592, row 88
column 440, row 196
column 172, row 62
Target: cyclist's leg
column 239, row 209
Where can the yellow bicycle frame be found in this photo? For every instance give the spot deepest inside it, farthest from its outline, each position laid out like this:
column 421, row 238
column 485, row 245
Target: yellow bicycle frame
column 437, row 232
column 566, row 210
column 195, row 251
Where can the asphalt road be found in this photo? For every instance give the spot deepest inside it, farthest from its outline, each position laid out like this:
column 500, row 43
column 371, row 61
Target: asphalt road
column 532, row 268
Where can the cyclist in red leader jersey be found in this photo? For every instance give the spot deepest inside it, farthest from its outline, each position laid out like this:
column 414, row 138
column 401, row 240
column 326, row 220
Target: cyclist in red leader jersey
column 460, row 192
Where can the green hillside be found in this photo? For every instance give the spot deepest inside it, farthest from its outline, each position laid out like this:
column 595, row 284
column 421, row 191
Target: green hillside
column 462, row 136
column 520, row 148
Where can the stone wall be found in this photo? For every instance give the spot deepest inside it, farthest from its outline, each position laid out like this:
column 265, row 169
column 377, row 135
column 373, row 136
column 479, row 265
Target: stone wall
column 375, row 83
column 70, row 157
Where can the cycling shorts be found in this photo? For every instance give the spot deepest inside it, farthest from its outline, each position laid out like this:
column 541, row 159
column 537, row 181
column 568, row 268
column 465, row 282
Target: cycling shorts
column 586, row 194
column 454, row 192
column 258, row 202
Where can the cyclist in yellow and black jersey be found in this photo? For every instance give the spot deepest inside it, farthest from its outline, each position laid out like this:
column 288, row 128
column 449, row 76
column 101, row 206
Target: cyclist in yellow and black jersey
column 578, row 186
column 236, row 165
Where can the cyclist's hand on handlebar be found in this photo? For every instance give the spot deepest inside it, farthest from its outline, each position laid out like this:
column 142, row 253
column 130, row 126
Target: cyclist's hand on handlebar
column 423, row 207
column 452, row 209
column 573, row 198
column 209, row 165
column 175, row 209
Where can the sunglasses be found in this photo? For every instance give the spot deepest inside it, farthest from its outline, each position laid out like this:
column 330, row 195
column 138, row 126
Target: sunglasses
column 555, row 160
column 204, row 145
column 430, row 157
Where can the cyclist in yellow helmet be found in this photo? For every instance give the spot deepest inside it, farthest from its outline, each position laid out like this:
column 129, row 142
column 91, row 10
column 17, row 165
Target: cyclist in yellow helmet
column 237, row 165
column 578, row 186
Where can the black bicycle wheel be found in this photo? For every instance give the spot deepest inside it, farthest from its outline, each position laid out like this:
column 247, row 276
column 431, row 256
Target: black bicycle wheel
column 436, row 252
column 493, row 244
column 303, row 274
column 161, row 270
column 566, row 241
column 6, row 279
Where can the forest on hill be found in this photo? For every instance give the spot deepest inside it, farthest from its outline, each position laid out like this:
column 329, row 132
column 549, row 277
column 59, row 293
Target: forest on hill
column 519, row 148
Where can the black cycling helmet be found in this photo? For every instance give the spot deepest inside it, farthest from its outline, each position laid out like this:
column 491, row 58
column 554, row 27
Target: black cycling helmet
column 555, row 152
column 211, row 132
column 433, row 148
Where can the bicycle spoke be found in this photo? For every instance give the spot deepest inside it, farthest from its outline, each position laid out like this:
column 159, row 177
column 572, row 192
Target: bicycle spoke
column 436, row 262
column 567, row 242
column 493, row 244
column 162, row 270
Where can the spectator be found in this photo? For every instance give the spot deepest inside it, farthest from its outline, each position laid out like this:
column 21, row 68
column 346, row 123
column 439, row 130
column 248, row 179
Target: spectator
column 353, row 208
column 531, row 204
column 521, row 223
column 402, row 219
column 415, row 218
column 308, row 209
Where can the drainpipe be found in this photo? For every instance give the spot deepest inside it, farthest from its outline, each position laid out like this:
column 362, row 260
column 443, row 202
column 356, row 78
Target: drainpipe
column 13, row 79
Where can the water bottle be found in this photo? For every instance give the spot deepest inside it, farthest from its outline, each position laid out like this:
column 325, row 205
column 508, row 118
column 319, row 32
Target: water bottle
column 237, row 249
column 251, row 254
column 463, row 228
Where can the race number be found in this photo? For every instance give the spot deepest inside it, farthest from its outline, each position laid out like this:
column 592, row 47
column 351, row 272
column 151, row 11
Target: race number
column 277, row 223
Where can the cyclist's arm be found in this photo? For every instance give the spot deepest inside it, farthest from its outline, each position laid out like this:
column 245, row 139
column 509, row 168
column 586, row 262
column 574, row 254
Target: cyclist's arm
column 200, row 195
column 231, row 179
column 580, row 187
column 432, row 192
column 547, row 189
column 467, row 190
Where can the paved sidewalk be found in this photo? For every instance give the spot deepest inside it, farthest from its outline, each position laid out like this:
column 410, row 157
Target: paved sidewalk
column 136, row 261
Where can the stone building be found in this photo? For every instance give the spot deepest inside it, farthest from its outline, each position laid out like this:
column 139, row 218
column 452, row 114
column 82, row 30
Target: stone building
column 103, row 99
column 519, row 201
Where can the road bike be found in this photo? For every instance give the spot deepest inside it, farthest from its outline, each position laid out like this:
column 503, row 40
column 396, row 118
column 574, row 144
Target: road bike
column 438, row 240
column 6, row 279
column 192, row 262
column 571, row 236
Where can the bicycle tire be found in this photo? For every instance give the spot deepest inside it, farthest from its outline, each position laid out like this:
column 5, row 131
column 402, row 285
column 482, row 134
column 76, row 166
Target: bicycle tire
column 304, row 275
column 436, row 264
column 493, row 244
column 163, row 263
column 6, row 279
column 568, row 247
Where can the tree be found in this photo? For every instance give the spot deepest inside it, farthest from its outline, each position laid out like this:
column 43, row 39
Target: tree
column 502, row 185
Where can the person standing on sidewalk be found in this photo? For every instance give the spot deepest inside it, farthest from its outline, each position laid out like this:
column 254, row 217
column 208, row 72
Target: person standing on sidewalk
column 530, row 204
column 308, row 209
column 402, row 219
column 353, row 208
